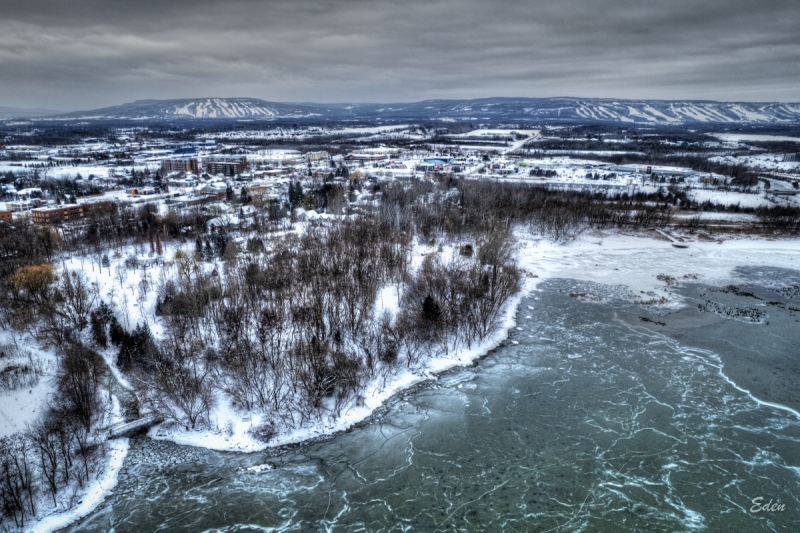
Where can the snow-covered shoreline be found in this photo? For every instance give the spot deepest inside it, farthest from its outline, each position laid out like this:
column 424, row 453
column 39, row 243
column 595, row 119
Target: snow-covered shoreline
column 94, row 494
column 638, row 259
column 540, row 260
column 375, row 396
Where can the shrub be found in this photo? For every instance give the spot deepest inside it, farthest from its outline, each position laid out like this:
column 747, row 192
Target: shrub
column 264, row 432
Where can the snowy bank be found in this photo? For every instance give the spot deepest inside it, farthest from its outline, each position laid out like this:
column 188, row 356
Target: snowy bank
column 232, row 431
column 94, row 495
column 601, row 257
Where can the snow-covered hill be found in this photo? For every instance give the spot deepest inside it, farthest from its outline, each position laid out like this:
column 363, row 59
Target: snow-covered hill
column 620, row 111
column 196, row 108
column 655, row 112
column 220, row 108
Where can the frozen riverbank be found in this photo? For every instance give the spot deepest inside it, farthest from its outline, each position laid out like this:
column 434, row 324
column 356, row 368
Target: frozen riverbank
column 588, row 418
column 93, row 494
column 234, row 433
column 633, row 262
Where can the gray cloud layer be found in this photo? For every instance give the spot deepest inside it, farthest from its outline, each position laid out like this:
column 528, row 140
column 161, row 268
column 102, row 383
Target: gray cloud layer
column 82, row 54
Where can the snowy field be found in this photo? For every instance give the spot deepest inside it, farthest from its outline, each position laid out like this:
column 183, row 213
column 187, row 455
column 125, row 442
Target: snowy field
column 744, row 137
column 100, row 171
column 494, row 133
column 729, row 198
column 771, row 162
column 301, row 134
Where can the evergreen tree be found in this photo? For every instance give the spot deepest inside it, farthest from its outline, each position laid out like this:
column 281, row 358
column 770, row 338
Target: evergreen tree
column 141, row 338
column 136, row 348
column 198, row 249
column 208, row 255
column 105, row 261
column 117, row 333
column 220, row 239
column 98, row 328
column 431, row 312
column 231, row 250
column 295, row 194
column 229, row 193
column 105, row 312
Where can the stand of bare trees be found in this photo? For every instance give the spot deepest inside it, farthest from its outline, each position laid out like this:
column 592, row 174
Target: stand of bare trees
column 292, row 330
column 780, row 219
column 60, row 451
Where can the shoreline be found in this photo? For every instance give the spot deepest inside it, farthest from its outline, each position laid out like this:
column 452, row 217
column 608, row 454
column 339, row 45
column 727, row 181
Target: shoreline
column 532, row 253
column 375, row 397
column 533, row 260
column 95, row 493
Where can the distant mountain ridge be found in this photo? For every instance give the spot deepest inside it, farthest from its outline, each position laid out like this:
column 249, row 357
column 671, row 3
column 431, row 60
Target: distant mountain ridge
column 655, row 112
column 19, row 112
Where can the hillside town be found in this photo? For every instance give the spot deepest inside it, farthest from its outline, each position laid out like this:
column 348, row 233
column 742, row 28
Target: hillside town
column 65, row 184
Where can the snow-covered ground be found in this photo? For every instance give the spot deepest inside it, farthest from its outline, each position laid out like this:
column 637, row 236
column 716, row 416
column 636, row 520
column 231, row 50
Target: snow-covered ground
column 303, row 133
column 708, row 216
column 764, row 162
column 494, row 133
column 745, row 137
column 19, row 407
column 729, row 197
column 100, row 171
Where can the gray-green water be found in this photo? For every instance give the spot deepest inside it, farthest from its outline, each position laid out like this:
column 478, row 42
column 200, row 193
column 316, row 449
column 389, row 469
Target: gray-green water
column 587, row 419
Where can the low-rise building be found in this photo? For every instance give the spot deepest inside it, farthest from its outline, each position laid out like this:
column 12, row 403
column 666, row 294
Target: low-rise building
column 67, row 212
column 6, row 216
column 317, row 156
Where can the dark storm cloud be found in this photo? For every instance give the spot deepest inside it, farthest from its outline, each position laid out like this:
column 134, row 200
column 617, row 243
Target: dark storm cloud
column 90, row 53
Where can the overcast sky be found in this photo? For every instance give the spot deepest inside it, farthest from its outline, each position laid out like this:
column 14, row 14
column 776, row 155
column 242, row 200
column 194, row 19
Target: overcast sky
column 85, row 54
